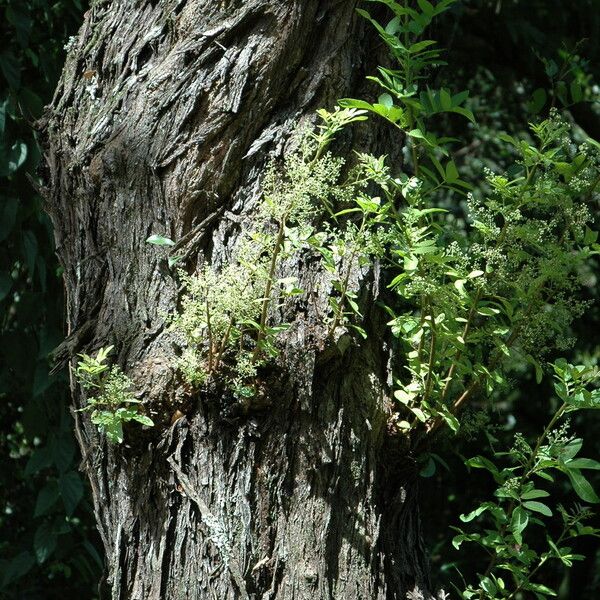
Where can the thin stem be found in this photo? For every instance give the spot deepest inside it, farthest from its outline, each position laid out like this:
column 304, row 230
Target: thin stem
column 537, row 568
column 340, row 312
column 421, row 323
column 269, row 286
column 557, row 415
column 210, row 337
column 528, row 471
column 465, row 333
column 223, row 343
column 429, row 382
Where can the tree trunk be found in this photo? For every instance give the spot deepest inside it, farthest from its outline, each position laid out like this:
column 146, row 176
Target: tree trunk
column 165, row 116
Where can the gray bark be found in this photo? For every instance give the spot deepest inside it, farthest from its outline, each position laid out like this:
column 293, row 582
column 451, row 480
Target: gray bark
column 165, row 116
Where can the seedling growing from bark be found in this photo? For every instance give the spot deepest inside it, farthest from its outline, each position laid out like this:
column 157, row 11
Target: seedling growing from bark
column 111, row 399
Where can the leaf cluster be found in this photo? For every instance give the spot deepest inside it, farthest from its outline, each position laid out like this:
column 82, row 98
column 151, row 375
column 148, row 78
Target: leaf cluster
column 521, row 502
column 112, row 403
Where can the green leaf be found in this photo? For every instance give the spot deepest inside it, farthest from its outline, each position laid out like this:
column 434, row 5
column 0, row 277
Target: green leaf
column 63, row 451
column 40, row 459
column 583, row 463
column 582, row 487
column 465, row 112
column 44, row 542
column 429, row 469
column 459, row 284
column 174, row 260
column 534, row 494
column 71, row 490
column 8, row 215
column 488, row 586
column 541, row 591
column 30, row 250
column 46, row 499
column 143, row 419
column 451, row 172
column 113, row 429
column 476, row 513
column 518, row 523
column 474, row 275
column 538, row 507
column 16, row 156
column 486, row 311
column 445, row 99
column 590, row 237
column 353, row 103
column 426, row 7
column 538, row 100
column 31, row 103
column 438, row 165
column 419, row 46
column 480, row 462
column 417, row 133
column 509, row 139
column 386, row 100
column 571, row 450
column 576, row 92
column 159, row 240
column 418, row 413
column 11, row 69
column 20, row 565
column 5, row 285
column 459, row 98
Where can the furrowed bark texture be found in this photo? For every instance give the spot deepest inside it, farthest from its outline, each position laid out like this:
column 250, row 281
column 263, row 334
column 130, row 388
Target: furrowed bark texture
column 164, row 119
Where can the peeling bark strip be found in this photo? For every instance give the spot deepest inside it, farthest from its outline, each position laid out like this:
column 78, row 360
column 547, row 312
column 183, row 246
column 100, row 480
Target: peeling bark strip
column 165, row 116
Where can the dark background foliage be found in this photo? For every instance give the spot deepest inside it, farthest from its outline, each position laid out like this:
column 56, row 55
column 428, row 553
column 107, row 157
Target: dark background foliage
column 501, row 50
column 48, row 544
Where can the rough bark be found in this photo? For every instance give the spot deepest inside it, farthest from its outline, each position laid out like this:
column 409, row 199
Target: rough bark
column 164, row 118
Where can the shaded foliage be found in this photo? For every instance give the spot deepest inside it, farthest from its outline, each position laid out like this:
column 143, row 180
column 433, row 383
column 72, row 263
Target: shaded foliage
column 48, row 542
column 500, row 51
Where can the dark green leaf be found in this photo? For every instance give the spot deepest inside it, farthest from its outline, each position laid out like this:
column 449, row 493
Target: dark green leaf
column 5, row 284
column 451, row 172
column 426, row 7
column 30, row 250
column 16, row 157
column 71, row 490
column 583, row 463
column 538, row 507
column 40, row 459
column 534, row 494
column 46, row 499
column 538, row 100
column 9, row 65
column 445, row 99
column 8, row 215
column 582, row 487
column 428, row 469
column 44, row 542
column 20, row 565
column 518, row 523
column 63, row 451
column 576, row 92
